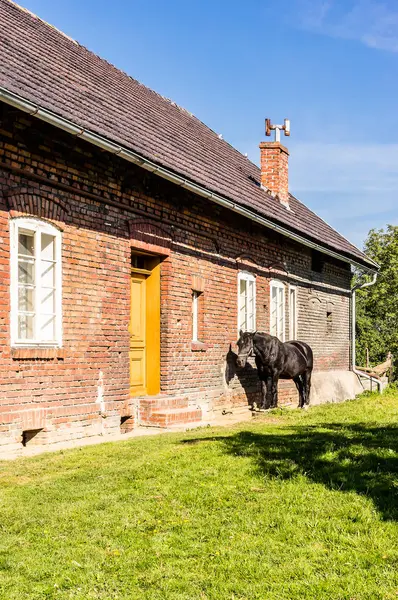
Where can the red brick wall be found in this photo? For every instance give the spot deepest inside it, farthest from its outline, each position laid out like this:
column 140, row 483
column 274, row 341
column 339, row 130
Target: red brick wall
column 103, row 205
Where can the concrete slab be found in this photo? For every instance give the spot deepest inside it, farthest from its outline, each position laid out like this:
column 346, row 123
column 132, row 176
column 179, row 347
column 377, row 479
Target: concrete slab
column 334, row 386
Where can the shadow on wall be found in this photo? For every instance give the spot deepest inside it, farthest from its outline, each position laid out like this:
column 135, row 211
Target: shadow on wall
column 248, row 377
column 346, row 458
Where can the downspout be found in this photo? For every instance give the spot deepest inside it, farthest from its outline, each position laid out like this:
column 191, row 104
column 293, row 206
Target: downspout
column 360, row 286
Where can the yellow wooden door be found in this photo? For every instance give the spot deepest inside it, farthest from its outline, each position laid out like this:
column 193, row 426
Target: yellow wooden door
column 138, row 383
column 153, row 329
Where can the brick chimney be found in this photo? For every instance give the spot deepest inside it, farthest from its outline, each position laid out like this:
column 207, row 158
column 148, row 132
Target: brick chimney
column 274, row 161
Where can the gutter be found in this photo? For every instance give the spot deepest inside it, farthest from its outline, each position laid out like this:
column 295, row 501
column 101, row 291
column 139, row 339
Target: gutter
column 101, row 142
column 360, row 286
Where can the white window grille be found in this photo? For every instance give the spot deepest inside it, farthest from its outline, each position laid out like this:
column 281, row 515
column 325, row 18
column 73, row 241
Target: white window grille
column 277, row 316
column 246, row 302
column 36, row 294
column 292, row 313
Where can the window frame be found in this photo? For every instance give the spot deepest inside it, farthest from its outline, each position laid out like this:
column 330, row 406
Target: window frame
column 36, row 226
column 293, row 334
column 274, row 283
column 246, row 276
column 195, row 316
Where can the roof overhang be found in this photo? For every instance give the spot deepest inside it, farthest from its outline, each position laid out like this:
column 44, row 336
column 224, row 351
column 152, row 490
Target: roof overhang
column 133, row 157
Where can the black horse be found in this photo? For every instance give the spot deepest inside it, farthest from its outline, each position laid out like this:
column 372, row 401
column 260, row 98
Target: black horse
column 277, row 360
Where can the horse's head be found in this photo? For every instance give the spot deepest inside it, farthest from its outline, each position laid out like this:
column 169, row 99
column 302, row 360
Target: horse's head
column 245, row 348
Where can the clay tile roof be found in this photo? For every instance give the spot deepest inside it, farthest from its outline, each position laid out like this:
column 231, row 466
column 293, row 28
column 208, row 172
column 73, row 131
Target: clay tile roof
column 44, row 66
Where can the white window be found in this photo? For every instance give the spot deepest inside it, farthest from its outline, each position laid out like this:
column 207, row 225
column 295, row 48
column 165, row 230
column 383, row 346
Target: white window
column 277, row 317
column 246, row 302
column 36, row 294
column 195, row 316
column 292, row 313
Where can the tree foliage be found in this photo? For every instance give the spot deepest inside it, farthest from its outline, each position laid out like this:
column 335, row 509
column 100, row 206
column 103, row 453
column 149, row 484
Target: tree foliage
column 377, row 306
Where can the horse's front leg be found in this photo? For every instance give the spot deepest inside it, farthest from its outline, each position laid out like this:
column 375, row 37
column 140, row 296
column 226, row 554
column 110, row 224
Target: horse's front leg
column 266, row 388
column 274, row 390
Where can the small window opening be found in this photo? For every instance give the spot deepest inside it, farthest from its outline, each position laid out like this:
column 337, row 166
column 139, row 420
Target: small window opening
column 317, row 261
column 138, row 261
column 126, row 424
column 197, row 316
column 28, row 435
column 329, row 322
column 143, row 263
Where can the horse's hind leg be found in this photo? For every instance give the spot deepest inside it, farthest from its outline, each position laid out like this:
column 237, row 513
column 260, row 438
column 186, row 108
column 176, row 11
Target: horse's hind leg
column 307, row 384
column 300, row 387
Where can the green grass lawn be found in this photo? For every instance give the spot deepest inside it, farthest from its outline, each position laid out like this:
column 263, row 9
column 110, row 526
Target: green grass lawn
column 296, row 505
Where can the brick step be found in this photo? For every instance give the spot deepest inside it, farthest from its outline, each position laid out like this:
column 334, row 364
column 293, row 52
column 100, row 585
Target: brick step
column 155, row 402
column 168, row 417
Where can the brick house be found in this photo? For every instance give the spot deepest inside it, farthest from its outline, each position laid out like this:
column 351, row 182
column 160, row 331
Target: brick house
column 135, row 243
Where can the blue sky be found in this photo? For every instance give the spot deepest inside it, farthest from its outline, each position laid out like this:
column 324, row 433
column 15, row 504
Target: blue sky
column 331, row 66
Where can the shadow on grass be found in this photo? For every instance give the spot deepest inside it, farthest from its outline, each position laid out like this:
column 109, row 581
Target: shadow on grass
column 357, row 458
